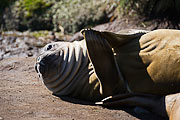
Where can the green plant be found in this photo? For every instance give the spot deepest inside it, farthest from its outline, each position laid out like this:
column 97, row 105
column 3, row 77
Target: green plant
column 34, row 7
column 72, row 15
column 30, row 15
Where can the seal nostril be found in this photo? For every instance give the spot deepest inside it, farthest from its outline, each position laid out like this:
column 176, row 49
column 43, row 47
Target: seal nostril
column 49, row 47
column 38, row 59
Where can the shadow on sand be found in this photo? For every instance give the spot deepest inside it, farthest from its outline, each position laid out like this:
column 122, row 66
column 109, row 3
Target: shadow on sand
column 137, row 112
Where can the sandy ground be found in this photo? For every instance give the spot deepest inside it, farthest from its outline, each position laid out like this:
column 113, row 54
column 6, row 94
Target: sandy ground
column 24, row 97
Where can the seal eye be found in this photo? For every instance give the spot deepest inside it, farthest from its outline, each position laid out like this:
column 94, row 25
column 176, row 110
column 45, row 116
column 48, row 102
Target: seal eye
column 49, row 47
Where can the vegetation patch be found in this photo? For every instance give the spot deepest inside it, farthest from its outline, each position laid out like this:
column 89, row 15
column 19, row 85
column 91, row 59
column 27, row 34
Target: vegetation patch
column 73, row 15
column 32, row 8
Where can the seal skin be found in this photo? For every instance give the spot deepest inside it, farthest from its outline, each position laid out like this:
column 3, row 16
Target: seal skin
column 131, row 66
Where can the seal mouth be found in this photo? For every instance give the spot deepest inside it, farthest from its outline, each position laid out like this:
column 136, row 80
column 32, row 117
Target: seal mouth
column 41, row 67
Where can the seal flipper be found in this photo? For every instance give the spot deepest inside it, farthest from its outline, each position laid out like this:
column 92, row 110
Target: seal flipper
column 153, row 103
column 101, row 55
column 122, row 37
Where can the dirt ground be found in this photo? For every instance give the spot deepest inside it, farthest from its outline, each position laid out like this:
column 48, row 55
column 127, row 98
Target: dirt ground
column 24, row 97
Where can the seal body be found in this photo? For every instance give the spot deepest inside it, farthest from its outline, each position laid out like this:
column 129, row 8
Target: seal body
column 108, row 63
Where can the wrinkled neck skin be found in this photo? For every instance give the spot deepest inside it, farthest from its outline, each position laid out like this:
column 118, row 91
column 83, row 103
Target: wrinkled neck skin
column 74, row 75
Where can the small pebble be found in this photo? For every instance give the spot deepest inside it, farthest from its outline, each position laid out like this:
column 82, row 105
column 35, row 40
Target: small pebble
column 1, row 118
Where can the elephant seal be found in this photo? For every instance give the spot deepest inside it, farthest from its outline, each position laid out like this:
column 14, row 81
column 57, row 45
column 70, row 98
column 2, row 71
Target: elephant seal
column 66, row 70
column 133, row 62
